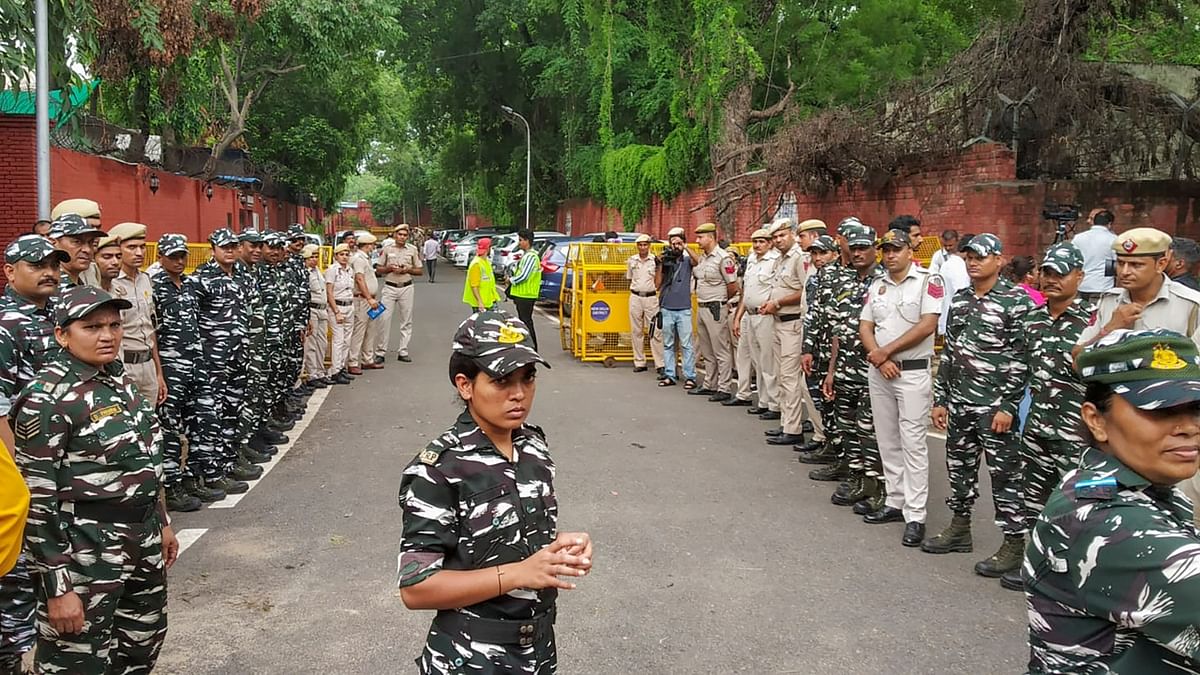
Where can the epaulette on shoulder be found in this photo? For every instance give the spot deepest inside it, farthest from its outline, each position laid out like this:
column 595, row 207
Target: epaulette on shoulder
column 1096, row 487
column 430, row 455
column 1185, row 292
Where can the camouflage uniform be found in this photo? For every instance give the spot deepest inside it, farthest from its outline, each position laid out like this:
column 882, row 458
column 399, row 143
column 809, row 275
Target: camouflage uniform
column 982, row 372
column 252, row 414
column 223, row 329
column 467, row 507
column 26, row 344
column 182, row 354
column 278, row 295
column 818, row 336
column 298, row 302
column 95, row 528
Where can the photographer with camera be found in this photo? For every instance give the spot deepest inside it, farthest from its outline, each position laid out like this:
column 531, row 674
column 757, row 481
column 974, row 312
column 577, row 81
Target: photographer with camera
column 1145, row 298
column 1096, row 244
column 674, row 281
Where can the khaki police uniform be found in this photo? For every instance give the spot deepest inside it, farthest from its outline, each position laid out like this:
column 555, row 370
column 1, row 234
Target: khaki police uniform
column 316, row 343
column 397, row 297
column 901, row 407
column 137, row 346
column 1176, row 307
column 342, row 281
column 791, row 274
column 715, row 271
column 643, row 308
column 756, row 355
column 364, row 337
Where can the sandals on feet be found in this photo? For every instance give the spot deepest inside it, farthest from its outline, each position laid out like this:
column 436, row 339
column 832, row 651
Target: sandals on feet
column 689, row 385
column 666, row 382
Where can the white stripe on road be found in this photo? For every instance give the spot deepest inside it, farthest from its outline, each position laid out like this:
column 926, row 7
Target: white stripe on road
column 546, row 314
column 314, row 405
column 188, row 537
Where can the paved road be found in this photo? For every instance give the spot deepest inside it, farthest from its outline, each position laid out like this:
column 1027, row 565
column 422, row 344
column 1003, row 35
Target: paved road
column 714, row 552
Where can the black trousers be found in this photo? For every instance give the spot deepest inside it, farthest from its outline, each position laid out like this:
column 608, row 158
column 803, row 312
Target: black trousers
column 431, row 269
column 525, row 314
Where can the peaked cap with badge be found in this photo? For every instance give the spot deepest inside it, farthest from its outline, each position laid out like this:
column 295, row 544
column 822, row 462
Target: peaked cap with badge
column 1142, row 241
column 1151, row 369
column 497, row 341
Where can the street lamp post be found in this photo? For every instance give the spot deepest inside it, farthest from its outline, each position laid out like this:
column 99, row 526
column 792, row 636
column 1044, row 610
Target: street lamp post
column 528, row 158
column 42, row 106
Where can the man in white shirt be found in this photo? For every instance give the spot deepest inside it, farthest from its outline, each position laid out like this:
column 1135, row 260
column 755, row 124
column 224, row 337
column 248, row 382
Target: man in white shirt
column 429, row 253
column 954, row 278
column 1096, row 245
column 949, row 246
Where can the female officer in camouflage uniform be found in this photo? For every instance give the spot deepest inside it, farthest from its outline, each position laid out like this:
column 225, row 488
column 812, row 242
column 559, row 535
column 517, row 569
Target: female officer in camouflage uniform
column 1112, row 571
column 479, row 542
column 97, row 531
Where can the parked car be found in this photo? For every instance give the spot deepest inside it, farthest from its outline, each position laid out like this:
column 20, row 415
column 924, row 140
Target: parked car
column 625, row 237
column 464, row 248
column 505, row 252
column 446, row 243
column 314, row 239
column 554, row 263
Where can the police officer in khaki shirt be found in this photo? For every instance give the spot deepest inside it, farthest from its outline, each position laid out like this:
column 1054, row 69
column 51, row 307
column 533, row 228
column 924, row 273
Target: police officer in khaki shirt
column 755, row 332
column 366, row 298
column 716, row 282
column 896, row 326
column 787, row 305
column 139, row 346
column 643, row 305
column 398, row 264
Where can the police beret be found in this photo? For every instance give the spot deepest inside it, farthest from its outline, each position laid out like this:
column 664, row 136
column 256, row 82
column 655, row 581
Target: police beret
column 642, row 239
column 1142, row 241
column 170, row 244
column 222, row 237
column 985, row 244
column 675, row 232
column 707, row 228
column 1063, row 258
column 123, row 232
column 341, row 248
column 32, row 248
column 84, row 207
column 367, row 238
column 811, row 224
column 107, row 241
column 79, row 301
column 895, row 238
column 309, row 250
column 1151, row 369
column 760, row 233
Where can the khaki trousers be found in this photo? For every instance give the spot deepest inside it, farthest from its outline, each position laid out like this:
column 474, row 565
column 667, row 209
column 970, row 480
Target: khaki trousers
column 641, row 316
column 362, row 340
column 316, row 345
column 715, row 347
column 757, row 347
column 789, row 340
column 901, row 408
column 399, row 304
column 145, row 378
column 342, row 334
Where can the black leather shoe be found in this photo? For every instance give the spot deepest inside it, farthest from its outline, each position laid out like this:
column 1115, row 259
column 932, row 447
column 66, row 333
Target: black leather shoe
column 887, row 514
column 755, row 410
column 810, row 446
column 785, row 439
column 379, row 360
column 773, row 432
column 769, row 415
column 404, row 358
column 732, row 402
column 639, row 369
column 807, row 427
column 720, row 397
column 341, row 378
column 914, row 534
column 1012, row 580
column 701, row 391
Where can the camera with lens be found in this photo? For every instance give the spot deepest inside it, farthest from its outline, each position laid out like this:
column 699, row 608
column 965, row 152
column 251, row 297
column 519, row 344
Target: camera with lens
column 1064, row 217
column 1110, row 268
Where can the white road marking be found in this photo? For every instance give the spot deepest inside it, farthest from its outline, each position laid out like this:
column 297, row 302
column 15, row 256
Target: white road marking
column 314, row 406
column 188, row 537
column 546, row 314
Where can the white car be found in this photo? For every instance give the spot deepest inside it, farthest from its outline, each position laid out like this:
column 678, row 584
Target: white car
column 466, row 249
column 506, row 254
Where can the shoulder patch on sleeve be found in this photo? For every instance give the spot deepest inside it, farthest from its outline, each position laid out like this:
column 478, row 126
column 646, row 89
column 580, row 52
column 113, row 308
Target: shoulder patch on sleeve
column 429, row 456
column 935, row 288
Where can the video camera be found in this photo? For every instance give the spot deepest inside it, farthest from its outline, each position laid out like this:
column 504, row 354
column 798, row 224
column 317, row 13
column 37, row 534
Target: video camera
column 1064, row 216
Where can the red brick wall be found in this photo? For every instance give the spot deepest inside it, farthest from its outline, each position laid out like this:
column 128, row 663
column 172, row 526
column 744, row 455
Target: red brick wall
column 18, row 177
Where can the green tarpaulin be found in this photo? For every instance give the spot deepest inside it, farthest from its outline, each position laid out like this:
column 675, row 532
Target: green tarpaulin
column 22, row 102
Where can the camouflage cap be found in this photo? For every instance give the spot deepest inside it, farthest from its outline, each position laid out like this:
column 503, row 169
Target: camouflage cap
column 760, row 233
column 32, row 248
column 1142, row 241
column 985, row 244
column 222, row 237
column 275, row 239
column 79, row 301
column 170, row 244
column 250, row 235
column 296, row 231
column 497, row 341
column 823, row 243
column 895, row 239
column 811, row 224
column 707, row 228
column 1151, row 369
column 860, row 235
column 84, row 207
column 71, row 225
column 847, row 223
column 1063, row 258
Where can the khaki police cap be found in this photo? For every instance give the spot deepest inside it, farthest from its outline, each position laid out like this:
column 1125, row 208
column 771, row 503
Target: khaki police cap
column 367, row 238
column 760, row 233
column 675, row 232
column 106, row 241
column 401, row 226
column 812, row 224
column 340, row 248
column 642, row 239
column 1142, row 241
column 707, row 228
column 779, row 225
column 309, row 250
column 123, row 232
column 84, row 207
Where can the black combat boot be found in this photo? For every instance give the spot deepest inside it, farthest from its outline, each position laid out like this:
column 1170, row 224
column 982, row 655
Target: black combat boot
column 849, row 492
column 956, row 538
column 253, row 456
column 243, row 471
column 1012, row 580
column 1007, row 559
column 833, row 472
column 873, row 497
column 826, row 454
column 271, row 436
column 205, row 493
column 179, row 499
column 228, row 485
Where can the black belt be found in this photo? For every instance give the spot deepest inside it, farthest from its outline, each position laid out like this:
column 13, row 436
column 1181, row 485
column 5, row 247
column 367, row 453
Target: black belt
column 406, row 284
column 106, row 512
column 134, row 358
column 316, row 305
column 784, row 318
column 523, row 632
column 343, row 303
column 711, row 304
column 647, row 294
column 913, row 364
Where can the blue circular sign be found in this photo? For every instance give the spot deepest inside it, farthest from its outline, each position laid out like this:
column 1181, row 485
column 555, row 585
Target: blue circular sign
column 600, row 310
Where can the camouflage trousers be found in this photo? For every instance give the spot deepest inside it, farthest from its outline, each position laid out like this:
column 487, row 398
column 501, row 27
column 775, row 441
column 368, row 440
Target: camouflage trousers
column 280, row 376
column 295, row 357
column 180, row 416
column 253, row 413
column 969, row 437
column 852, row 428
column 17, row 605
column 118, row 572
column 1043, row 462
column 222, row 379
column 459, row 654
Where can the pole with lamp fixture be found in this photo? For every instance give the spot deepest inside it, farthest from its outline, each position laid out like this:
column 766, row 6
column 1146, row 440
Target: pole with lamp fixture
column 528, row 157
column 208, row 191
column 153, row 182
